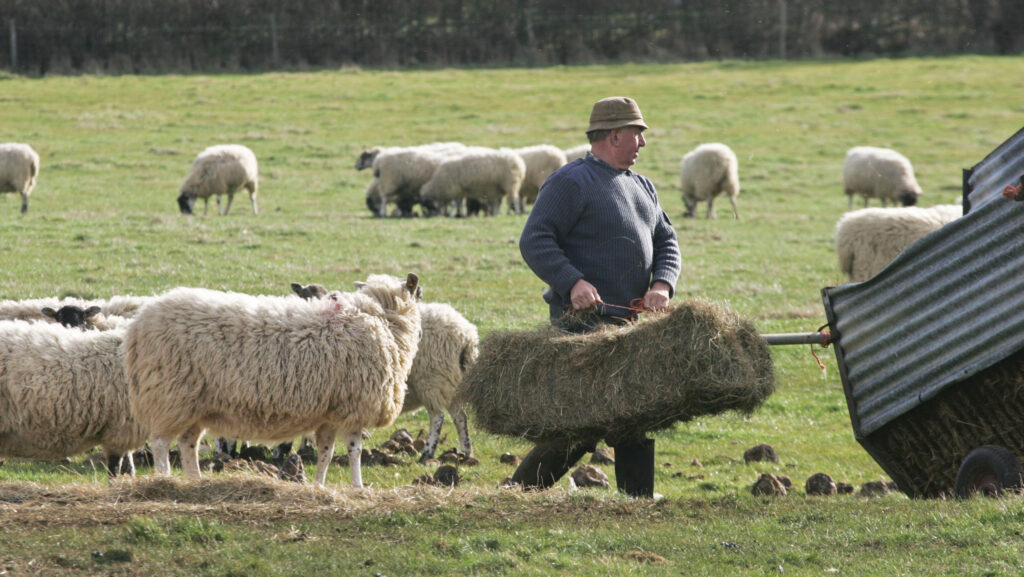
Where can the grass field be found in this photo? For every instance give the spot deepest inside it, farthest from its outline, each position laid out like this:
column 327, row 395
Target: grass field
column 103, row 220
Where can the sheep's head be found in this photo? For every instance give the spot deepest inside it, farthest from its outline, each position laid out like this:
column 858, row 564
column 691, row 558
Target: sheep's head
column 72, row 316
column 367, row 157
column 389, row 290
column 909, row 197
column 310, row 291
column 186, row 203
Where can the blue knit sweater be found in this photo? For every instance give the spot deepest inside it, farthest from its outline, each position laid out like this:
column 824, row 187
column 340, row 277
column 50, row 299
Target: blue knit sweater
column 598, row 223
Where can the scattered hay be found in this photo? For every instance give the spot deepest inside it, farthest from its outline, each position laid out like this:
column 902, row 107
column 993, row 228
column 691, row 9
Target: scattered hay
column 699, row 359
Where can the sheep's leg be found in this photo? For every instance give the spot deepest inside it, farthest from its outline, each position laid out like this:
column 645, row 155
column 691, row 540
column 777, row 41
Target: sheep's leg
column 355, row 458
column 227, row 209
column 114, row 463
column 462, row 427
column 735, row 214
column 252, row 196
column 324, row 452
column 129, row 463
column 24, row 203
column 711, row 209
column 188, row 445
column 436, row 420
column 206, row 205
column 161, row 455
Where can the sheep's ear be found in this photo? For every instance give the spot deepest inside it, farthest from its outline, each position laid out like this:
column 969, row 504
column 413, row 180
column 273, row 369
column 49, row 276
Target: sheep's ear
column 359, row 284
column 47, row 311
column 412, row 284
column 297, row 288
column 92, row 311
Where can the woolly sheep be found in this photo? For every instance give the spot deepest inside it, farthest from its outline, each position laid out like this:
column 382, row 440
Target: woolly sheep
column 486, row 175
column 219, row 170
column 19, row 169
column 271, row 368
column 540, row 160
column 870, row 238
column 706, row 172
column 63, row 391
column 879, row 173
column 229, row 446
column 575, row 152
column 399, row 174
column 448, row 347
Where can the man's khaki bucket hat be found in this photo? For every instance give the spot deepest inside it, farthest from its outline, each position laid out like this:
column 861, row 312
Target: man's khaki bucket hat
column 615, row 112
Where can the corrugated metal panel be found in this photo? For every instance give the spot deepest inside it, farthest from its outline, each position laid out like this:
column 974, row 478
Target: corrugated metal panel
column 949, row 306
column 985, row 182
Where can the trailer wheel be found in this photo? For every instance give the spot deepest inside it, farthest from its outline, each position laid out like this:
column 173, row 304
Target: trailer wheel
column 989, row 470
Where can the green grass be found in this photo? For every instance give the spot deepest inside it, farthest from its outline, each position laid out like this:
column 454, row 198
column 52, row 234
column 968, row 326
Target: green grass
column 103, row 221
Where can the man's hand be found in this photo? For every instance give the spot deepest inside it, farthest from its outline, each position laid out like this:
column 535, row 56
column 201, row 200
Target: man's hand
column 583, row 295
column 657, row 297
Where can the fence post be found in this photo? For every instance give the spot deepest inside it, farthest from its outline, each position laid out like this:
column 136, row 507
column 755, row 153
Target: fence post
column 14, row 48
column 782, row 29
column 273, row 42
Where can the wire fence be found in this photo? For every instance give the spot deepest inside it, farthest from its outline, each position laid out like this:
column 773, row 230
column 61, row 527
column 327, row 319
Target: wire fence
column 154, row 36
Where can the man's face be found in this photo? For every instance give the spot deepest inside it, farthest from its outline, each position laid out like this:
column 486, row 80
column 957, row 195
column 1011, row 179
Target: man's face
column 626, row 143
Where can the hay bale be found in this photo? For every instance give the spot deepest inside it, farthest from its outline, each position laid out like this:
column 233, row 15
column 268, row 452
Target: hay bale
column 699, row 359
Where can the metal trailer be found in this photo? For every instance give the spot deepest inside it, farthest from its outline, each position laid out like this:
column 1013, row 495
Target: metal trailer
column 931, row 350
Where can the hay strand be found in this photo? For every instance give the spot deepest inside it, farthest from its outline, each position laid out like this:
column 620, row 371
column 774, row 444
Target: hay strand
column 699, row 359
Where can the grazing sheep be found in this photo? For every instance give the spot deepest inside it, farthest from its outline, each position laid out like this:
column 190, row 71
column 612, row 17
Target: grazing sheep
column 706, row 172
column 541, row 160
column 575, row 152
column 63, row 391
column 483, row 174
column 19, row 169
column 399, row 174
column 870, row 238
column 879, row 173
column 219, row 170
column 271, row 368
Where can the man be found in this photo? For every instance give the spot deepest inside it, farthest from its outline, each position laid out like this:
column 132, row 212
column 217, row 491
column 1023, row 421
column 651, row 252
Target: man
column 598, row 237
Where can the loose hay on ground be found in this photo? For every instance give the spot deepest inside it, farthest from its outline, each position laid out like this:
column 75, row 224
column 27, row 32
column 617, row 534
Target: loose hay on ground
column 699, row 359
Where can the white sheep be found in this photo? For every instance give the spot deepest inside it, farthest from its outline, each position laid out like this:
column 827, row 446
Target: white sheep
column 540, row 160
column 575, row 152
column 399, row 174
column 63, row 391
column 879, row 173
column 706, row 172
column 271, row 368
column 19, row 169
column 870, row 238
column 483, row 174
column 220, row 170
column 448, row 347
